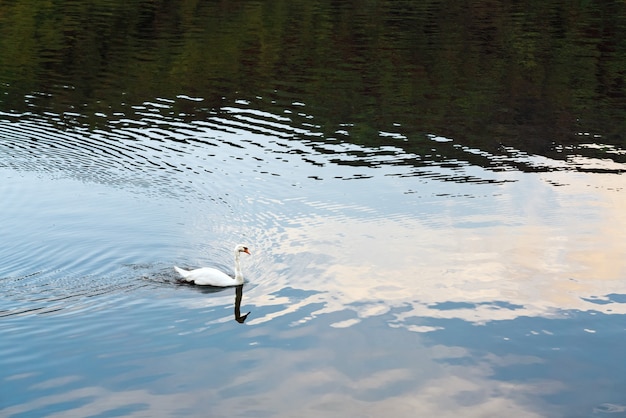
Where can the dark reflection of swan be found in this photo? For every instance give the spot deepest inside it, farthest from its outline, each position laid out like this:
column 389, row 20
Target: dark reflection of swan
column 238, row 296
column 211, row 289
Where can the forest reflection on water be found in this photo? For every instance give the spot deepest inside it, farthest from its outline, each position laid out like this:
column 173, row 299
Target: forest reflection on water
column 433, row 196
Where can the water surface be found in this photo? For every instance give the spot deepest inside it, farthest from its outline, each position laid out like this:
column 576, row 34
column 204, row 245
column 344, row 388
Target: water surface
column 422, row 243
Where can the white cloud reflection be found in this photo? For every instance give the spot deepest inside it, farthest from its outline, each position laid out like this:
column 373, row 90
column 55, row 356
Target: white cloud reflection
column 546, row 243
column 269, row 387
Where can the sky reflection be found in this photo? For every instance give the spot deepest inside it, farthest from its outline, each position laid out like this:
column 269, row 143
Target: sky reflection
column 429, row 297
column 528, row 248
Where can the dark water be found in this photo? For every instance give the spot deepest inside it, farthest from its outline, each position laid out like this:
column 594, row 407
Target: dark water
column 433, row 194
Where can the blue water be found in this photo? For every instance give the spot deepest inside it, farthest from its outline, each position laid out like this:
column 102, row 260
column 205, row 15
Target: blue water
column 372, row 289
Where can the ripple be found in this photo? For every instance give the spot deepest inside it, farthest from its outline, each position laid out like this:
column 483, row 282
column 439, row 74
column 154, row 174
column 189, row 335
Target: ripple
column 127, row 148
column 45, row 292
column 608, row 408
column 151, row 140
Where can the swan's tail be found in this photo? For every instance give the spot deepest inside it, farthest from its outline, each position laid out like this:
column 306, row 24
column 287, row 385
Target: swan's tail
column 183, row 273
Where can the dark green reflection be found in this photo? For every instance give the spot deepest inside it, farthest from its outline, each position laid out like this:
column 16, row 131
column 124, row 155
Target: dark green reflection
column 526, row 74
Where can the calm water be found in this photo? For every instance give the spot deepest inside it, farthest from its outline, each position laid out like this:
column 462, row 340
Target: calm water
column 428, row 238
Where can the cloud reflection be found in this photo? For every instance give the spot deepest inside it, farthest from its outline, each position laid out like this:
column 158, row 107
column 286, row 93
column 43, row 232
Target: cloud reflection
column 533, row 249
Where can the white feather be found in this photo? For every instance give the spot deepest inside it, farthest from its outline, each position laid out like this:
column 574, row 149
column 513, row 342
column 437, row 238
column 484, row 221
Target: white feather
column 208, row 276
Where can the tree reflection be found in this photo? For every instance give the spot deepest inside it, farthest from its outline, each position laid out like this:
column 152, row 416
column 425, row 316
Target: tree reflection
column 528, row 76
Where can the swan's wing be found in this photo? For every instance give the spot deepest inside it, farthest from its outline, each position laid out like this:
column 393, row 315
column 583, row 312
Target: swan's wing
column 208, row 276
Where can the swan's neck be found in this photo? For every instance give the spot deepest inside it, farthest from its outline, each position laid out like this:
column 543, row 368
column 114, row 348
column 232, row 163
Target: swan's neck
column 238, row 273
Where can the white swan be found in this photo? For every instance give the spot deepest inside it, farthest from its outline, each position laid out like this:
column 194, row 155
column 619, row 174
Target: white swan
column 207, row 276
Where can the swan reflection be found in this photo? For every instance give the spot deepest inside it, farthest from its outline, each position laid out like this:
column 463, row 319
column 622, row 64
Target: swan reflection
column 238, row 296
column 210, row 289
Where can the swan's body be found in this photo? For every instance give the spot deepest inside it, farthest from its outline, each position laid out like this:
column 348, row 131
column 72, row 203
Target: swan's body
column 208, row 276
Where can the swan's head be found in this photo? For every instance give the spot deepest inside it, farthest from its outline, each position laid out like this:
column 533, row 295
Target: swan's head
column 240, row 248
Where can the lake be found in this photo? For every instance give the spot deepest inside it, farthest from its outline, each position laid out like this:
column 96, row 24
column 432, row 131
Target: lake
column 433, row 196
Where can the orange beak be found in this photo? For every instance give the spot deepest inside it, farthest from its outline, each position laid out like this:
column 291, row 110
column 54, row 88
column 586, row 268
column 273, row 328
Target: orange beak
column 246, row 251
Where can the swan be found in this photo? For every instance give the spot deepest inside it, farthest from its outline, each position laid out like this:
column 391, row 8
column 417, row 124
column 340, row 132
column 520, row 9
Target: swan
column 208, row 276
